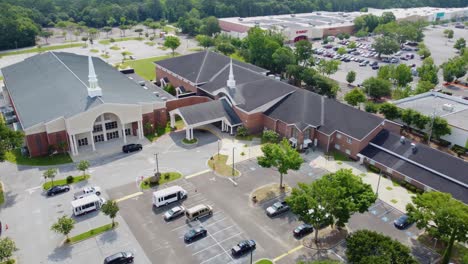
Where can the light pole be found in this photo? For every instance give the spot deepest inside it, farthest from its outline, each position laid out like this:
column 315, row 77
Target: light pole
column 219, row 141
column 433, row 249
column 157, row 164
column 432, row 126
column 378, row 184
column 233, row 161
column 251, row 256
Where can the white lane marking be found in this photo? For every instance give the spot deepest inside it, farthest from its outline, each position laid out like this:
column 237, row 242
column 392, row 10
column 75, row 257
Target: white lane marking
column 222, row 230
column 216, row 221
column 215, row 257
column 31, row 190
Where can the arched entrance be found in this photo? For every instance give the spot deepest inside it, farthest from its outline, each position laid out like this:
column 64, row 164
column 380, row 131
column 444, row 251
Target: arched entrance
column 299, row 38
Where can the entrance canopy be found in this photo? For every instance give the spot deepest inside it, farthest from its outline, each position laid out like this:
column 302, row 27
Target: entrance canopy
column 207, row 113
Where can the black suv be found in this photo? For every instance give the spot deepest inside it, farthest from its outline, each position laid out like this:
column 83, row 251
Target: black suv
column 243, row 247
column 402, row 222
column 132, row 147
column 119, row 258
column 194, row 234
column 57, row 190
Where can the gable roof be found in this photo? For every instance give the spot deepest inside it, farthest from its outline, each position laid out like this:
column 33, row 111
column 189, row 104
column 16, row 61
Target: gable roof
column 56, row 85
column 425, row 166
column 198, row 113
column 200, row 67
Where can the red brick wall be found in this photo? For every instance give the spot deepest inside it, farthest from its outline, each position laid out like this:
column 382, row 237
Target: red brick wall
column 57, row 137
column 253, row 122
column 269, row 123
column 134, row 128
column 228, row 26
column 175, row 81
column 161, row 116
column 174, row 104
column 149, row 118
column 393, row 127
column 282, row 129
column 37, row 144
column 322, row 140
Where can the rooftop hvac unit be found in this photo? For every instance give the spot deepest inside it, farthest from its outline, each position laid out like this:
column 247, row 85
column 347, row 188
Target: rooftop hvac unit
column 448, row 107
column 156, row 94
column 164, row 98
column 414, row 149
column 271, row 75
column 402, row 139
column 240, row 19
column 293, row 15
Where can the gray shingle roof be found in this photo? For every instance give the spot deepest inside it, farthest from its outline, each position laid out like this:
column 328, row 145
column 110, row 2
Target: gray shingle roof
column 428, row 157
column 56, row 86
column 198, row 113
column 304, row 108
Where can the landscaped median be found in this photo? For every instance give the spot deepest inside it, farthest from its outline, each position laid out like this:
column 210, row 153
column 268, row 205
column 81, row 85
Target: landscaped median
column 69, row 180
column 15, row 156
column 92, row 233
column 166, row 177
column 263, row 261
column 268, row 192
column 2, row 195
column 218, row 164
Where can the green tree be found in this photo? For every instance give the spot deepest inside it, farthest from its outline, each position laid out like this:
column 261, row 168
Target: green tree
column 420, row 121
column 280, row 156
column 172, row 43
column 281, row 58
column 83, row 166
column 390, row 111
column 110, row 208
column 361, row 34
column 204, row 41
column 454, row 68
column 448, row 33
column 303, row 51
column 64, row 226
column 376, row 87
column 365, row 246
column 428, row 71
column 259, row 46
column 424, row 52
column 460, row 44
column 341, row 50
column 7, row 247
column 355, row 97
column 387, row 17
column 226, row 48
column 402, row 75
column 107, row 29
column 50, row 174
column 386, row 72
column 328, row 67
column 295, row 74
column 385, row 45
column 351, row 77
column 423, row 87
column 46, row 35
column 154, row 26
column 407, row 116
column 440, row 127
column 9, row 139
column 442, row 217
column 352, row 45
column 210, row 26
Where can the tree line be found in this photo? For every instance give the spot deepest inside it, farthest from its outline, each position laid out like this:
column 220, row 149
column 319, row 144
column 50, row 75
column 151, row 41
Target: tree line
column 21, row 20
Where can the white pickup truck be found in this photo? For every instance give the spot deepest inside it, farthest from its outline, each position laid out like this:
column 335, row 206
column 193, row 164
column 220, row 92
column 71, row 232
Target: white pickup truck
column 87, row 191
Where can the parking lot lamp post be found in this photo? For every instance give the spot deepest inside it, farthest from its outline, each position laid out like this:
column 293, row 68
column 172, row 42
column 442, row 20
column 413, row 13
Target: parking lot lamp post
column 378, row 184
column 219, row 141
column 251, row 256
column 157, row 163
column 233, row 161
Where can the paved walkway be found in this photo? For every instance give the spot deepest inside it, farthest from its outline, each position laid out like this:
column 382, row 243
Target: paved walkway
column 388, row 192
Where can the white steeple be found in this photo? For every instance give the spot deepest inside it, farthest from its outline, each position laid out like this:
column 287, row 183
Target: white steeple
column 231, row 83
column 93, row 86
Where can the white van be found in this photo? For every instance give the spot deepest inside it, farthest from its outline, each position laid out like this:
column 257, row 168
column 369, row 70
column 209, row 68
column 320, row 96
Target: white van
column 169, row 195
column 198, row 211
column 87, row 204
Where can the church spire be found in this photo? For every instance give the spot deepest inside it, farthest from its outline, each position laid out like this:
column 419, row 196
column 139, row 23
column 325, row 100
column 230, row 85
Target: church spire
column 93, row 86
column 231, row 83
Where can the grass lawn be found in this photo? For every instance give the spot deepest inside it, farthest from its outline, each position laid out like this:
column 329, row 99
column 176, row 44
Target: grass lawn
column 1, row 78
column 165, row 178
column 2, row 195
column 264, row 261
column 115, row 47
column 145, row 67
column 94, row 50
column 238, row 57
column 338, row 156
column 15, row 156
column 10, row 261
column 92, row 233
column 218, row 164
column 189, row 141
column 269, row 191
column 107, row 41
column 42, row 49
column 160, row 131
column 196, row 49
column 76, row 179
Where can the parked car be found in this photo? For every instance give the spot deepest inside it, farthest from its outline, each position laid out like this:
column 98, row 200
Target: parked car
column 375, row 67
column 243, row 247
column 303, row 230
column 402, row 222
column 57, row 190
column 195, row 234
column 459, row 26
column 119, row 258
column 87, row 191
column 174, row 213
column 277, row 209
column 374, row 63
column 131, row 148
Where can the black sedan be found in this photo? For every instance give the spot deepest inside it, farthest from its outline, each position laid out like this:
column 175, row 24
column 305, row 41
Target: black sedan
column 243, row 247
column 303, row 230
column 132, row 147
column 402, row 222
column 195, row 234
column 57, row 190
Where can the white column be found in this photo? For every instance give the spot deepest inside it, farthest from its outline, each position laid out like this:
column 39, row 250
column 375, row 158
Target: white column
column 222, row 125
column 187, row 133
column 71, row 145
column 123, row 133
column 75, row 143
column 191, row 133
column 104, row 131
column 231, row 130
column 172, row 116
column 92, row 140
column 140, row 129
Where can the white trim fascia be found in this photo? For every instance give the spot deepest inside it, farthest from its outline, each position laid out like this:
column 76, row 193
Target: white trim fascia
column 270, row 104
column 201, row 67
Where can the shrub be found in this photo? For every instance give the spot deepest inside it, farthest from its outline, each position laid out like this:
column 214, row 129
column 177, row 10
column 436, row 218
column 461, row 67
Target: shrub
column 270, row 136
column 112, row 40
column 69, row 179
column 371, row 107
column 242, row 153
column 170, row 89
column 373, row 168
column 242, row 131
column 166, row 175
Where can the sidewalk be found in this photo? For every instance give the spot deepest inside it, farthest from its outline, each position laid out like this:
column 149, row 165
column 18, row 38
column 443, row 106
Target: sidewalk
column 388, row 192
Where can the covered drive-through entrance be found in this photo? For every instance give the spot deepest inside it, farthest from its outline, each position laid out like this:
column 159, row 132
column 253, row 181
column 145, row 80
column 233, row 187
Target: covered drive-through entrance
column 207, row 113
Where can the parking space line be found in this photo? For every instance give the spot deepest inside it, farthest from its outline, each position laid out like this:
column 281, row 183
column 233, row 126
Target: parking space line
column 128, row 197
column 204, row 249
column 375, row 205
column 386, row 212
column 222, row 230
column 228, row 237
column 196, row 174
column 216, row 221
column 213, row 257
